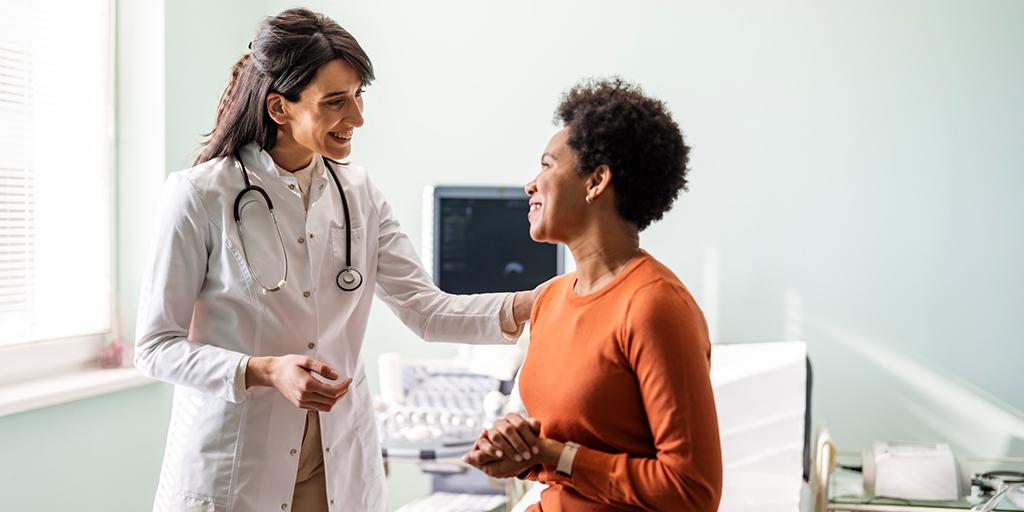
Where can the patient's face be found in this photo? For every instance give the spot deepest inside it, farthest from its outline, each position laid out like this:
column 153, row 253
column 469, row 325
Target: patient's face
column 557, row 194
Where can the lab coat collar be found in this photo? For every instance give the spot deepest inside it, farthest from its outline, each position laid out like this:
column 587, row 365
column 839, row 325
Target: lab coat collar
column 259, row 161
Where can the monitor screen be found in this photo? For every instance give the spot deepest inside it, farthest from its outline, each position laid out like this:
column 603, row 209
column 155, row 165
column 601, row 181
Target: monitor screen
column 482, row 242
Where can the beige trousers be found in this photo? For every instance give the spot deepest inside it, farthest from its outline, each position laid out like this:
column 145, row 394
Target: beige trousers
column 310, row 482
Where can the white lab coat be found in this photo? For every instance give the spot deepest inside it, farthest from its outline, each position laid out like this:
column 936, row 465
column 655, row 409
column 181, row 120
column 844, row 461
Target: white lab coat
column 201, row 312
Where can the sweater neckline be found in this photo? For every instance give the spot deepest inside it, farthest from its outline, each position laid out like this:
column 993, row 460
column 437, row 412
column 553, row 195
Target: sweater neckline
column 579, row 300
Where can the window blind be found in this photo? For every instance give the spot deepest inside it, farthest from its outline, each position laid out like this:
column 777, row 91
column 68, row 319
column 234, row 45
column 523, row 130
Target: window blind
column 56, row 170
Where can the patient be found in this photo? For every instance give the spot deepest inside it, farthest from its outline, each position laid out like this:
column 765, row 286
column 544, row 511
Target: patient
column 616, row 380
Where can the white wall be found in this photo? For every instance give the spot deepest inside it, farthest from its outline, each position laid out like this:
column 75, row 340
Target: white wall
column 855, row 170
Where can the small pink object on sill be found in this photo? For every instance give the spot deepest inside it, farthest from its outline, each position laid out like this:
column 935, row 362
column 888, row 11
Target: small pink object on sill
column 112, row 355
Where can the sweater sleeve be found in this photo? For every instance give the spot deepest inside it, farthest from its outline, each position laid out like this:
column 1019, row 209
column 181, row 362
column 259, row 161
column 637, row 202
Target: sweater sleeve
column 665, row 340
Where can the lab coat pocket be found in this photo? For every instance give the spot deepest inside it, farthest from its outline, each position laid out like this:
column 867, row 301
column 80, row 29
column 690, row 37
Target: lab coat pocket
column 342, row 259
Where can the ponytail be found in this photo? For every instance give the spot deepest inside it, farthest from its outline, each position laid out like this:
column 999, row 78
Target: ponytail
column 231, row 89
column 230, row 131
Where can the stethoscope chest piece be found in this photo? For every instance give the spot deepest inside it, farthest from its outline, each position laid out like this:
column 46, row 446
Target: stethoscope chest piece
column 349, row 279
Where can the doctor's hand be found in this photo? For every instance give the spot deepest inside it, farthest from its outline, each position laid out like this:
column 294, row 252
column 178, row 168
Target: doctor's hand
column 522, row 303
column 292, row 376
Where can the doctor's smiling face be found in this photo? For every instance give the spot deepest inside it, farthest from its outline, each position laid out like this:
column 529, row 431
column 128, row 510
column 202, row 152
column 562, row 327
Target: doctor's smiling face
column 324, row 117
column 557, row 193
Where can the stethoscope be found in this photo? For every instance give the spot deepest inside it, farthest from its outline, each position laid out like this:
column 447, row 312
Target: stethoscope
column 348, row 279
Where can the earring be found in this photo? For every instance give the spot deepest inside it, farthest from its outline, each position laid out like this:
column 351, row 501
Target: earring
column 590, row 199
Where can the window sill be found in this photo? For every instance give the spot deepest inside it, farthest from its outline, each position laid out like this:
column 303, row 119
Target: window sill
column 67, row 387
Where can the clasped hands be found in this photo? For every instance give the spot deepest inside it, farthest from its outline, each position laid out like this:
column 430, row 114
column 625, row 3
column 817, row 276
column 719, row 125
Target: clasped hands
column 512, row 445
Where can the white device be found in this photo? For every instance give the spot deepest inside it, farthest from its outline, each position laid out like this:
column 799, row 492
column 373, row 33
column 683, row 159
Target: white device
column 914, row 471
column 457, row 502
column 433, row 409
column 761, row 392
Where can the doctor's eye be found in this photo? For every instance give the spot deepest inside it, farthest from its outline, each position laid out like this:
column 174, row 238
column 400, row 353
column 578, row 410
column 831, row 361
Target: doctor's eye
column 360, row 91
column 336, row 103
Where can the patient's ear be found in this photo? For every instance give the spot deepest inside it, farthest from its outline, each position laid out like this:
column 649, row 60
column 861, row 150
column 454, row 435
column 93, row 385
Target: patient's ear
column 598, row 181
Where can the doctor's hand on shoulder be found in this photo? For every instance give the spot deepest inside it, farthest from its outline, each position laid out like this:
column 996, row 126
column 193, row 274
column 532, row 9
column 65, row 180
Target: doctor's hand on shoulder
column 292, row 376
column 522, row 302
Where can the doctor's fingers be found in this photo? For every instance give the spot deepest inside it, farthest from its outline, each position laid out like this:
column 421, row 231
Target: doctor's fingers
column 313, row 396
column 334, row 391
column 319, row 368
column 316, row 391
column 308, row 406
column 316, row 403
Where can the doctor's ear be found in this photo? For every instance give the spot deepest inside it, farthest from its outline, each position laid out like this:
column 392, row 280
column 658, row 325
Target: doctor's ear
column 276, row 108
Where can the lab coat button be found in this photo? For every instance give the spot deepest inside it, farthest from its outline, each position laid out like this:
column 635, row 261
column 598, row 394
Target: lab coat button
column 311, row 345
column 284, row 506
column 321, row 186
column 302, row 240
column 293, row 452
column 305, row 294
column 328, row 449
column 311, row 237
column 293, row 188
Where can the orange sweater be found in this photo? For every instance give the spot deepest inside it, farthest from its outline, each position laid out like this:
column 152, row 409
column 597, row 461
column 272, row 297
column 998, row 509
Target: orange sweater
column 624, row 372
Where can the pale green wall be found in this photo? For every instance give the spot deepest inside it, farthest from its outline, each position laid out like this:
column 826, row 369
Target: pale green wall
column 204, row 39
column 96, row 455
column 856, row 170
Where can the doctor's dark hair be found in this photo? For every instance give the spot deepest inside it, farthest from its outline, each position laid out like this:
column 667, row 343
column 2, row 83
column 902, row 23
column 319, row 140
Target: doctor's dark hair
column 612, row 122
column 285, row 56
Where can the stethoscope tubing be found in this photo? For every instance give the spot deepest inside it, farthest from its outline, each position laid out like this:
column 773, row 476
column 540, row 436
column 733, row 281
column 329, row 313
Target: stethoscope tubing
column 348, row 279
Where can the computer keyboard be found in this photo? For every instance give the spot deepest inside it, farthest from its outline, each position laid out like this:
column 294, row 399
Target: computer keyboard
column 454, row 502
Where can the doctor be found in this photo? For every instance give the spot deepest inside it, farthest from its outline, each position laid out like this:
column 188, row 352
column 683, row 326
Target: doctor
column 258, row 288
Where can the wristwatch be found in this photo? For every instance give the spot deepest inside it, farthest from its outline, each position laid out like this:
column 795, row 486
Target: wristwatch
column 566, row 458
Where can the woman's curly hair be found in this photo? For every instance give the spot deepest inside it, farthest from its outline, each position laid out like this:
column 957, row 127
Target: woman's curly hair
column 612, row 122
